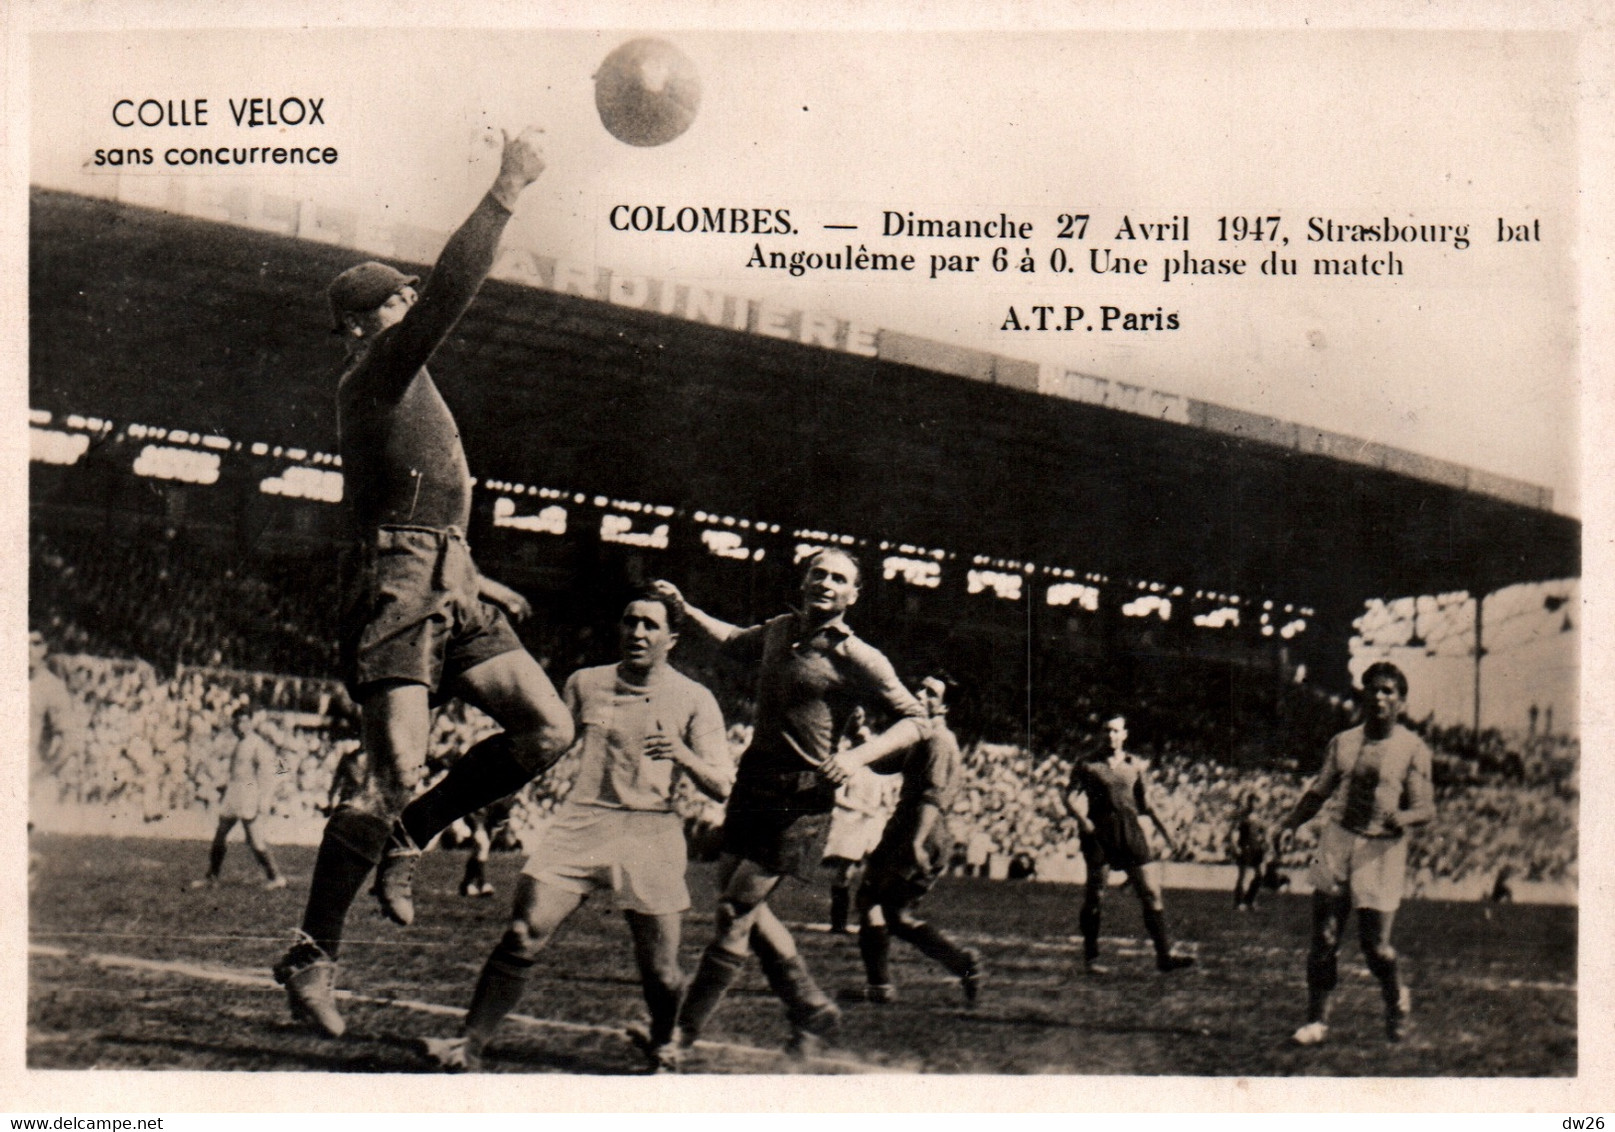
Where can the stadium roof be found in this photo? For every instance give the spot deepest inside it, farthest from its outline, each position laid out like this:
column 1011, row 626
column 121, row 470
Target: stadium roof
column 143, row 315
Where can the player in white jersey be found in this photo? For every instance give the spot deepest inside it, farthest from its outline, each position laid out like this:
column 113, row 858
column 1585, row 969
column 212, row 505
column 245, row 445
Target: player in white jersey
column 1377, row 776
column 252, row 762
column 862, row 807
column 55, row 731
column 639, row 723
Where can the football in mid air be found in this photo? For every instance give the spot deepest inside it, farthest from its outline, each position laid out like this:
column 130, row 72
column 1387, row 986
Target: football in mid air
column 647, row 92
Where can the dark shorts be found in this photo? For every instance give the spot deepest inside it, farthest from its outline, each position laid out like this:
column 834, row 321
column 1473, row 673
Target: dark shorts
column 891, row 888
column 1117, row 842
column 415, row 614
column 894, row 879
column 780, row 822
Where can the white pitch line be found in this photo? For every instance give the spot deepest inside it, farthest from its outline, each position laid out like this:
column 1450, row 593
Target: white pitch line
column 267, row 982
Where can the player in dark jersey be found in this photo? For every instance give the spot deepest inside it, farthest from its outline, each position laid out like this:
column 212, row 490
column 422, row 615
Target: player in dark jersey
column 912, row 854
column 420, row 620
column 1249, row 844
column 811, row 671
column 1107, row 795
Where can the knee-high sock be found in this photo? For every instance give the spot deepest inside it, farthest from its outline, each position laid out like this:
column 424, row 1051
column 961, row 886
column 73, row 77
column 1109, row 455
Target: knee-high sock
column 1089, row 919
column 875, row 945
column 349, row 849
column 789, row 980
column 486, row 773
column 499, row 990
column 1155, row 924
column 266, row 859
column 474, row 873
column 215, row 857
column 1383, row 967
column 1323, row 973
column 716, row 974
column 934, row 945
column 663, row 1002
column 840, row 901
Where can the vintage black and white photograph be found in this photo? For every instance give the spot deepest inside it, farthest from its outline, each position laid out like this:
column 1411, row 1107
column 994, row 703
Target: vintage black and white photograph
column 889, row 549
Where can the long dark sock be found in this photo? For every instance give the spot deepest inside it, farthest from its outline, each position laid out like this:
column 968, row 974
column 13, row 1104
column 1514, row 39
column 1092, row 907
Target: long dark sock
column 215, row 857
column 840, row 901
column 1384, row 969
column 875, row 945
column 266, row 860
column 499, row 990
column 1089, row 919
column 473, row 873
column 1155, row 924
column 791, row 983
column 1323, row 973
column 934, row 945
column 717, row 973
column 486, row 773
column 349, row 849
column 663, row 1003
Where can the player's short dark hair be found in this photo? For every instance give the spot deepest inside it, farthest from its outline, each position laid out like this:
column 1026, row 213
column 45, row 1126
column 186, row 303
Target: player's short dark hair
column 948, row 683
column 943, row 684
column 674, row 607
column 1386, row 669
column 857, row 566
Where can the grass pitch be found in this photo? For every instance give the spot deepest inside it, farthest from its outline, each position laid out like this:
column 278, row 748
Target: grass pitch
column 130, row 968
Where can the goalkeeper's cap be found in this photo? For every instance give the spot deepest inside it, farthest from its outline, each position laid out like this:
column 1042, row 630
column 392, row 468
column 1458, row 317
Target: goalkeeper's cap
column 364, row 287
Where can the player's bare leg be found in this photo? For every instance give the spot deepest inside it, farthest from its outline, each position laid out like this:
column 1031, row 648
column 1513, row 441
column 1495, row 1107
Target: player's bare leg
column 513, row 689
column 1329, row 913
column 1374, row 933
column 1154, row 908
column 396, row 719
column 537, row 913
column 656, row 951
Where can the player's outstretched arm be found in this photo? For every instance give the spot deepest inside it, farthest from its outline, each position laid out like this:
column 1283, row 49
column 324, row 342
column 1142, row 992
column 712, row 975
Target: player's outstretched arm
column 462, row 265
column 719, row 631
column 898, row 737
column 521, row 162
column 516, row 607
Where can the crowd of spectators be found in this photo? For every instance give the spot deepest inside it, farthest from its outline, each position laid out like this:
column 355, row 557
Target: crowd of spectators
column 153, row 745
column 172, row 602
column 159, row 645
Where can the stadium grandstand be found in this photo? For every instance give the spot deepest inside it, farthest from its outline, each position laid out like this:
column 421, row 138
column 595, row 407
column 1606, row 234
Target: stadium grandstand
column 1062, row 545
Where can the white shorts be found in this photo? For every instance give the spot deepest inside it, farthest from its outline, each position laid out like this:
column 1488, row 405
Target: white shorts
column 640, row 856
column 853, row 836
column 1374, row 868
column 240, row 800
